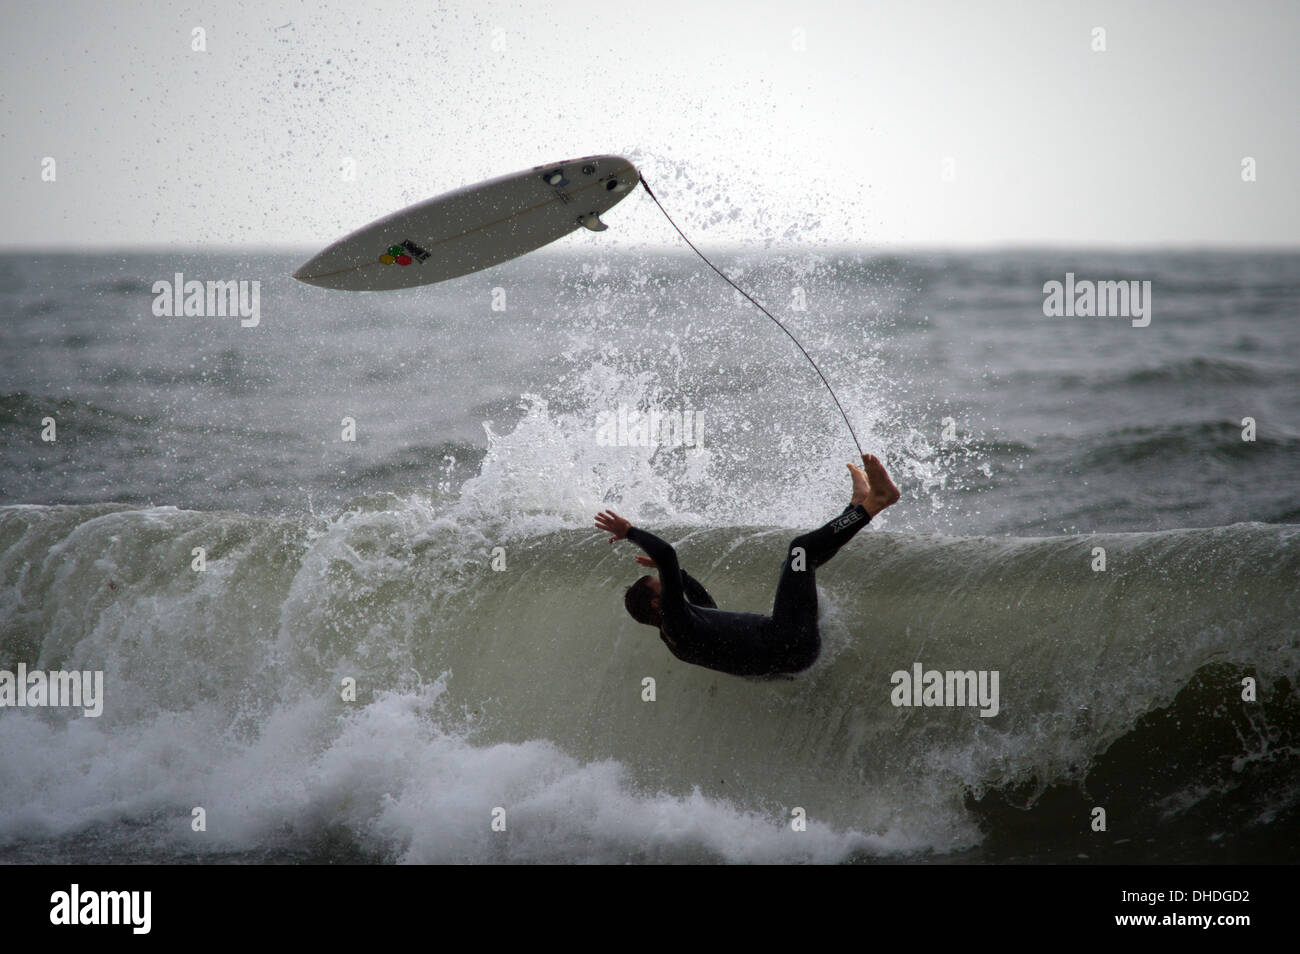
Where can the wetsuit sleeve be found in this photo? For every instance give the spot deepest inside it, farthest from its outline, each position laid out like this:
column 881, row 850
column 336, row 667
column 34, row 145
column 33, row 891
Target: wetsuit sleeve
column 695, row 591
column 672, row 599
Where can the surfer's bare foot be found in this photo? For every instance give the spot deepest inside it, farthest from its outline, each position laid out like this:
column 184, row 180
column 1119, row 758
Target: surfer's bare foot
column 873, row 489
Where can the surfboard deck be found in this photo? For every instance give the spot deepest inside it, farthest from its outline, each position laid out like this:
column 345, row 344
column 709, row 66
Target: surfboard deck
column 474, row 227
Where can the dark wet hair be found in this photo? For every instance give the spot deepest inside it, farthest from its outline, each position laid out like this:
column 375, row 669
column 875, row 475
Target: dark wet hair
column 637, row 600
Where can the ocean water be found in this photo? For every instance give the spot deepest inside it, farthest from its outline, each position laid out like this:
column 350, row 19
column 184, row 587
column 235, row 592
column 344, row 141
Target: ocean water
column 445, row 561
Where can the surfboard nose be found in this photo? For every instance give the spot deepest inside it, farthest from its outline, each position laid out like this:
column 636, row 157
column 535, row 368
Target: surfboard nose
column 306, row 274
column 314, row 272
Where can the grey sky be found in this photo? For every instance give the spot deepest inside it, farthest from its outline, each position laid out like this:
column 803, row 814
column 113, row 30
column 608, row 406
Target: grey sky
column 747, row 139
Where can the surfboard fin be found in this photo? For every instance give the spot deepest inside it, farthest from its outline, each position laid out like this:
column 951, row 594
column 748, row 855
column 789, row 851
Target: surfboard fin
column 592, row 221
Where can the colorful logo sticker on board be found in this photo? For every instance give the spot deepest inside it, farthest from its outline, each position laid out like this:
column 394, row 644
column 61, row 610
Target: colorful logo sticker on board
column 403, row 254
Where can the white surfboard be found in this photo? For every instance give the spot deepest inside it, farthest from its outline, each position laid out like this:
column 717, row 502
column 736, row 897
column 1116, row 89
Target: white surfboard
column 475, row 227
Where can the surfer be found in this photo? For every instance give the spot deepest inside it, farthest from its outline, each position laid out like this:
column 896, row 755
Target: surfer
column 748, row 644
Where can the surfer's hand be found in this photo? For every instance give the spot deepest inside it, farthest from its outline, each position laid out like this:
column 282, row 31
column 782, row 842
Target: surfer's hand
column 645, row 560
column 611, row 522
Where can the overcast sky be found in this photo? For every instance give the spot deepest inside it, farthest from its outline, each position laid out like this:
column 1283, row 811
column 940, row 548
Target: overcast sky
column 801, row 124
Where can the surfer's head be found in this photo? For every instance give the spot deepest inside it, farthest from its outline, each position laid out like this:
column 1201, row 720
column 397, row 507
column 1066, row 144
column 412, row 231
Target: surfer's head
column 642, row 600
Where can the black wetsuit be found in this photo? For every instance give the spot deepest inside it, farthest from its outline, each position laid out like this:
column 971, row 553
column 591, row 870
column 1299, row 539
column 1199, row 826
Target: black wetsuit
column 749, row 644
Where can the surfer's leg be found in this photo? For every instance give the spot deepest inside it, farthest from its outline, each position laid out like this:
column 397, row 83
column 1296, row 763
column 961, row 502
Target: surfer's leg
column 873, row 491
column 796, row 591
column 794, row 611
column 821, row 544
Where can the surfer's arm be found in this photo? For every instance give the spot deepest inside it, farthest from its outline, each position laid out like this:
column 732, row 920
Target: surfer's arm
column 695, row 591
column 663, row 554
column 672, row 600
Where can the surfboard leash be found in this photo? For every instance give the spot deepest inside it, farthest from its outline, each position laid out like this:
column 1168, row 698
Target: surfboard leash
column 755, row 303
